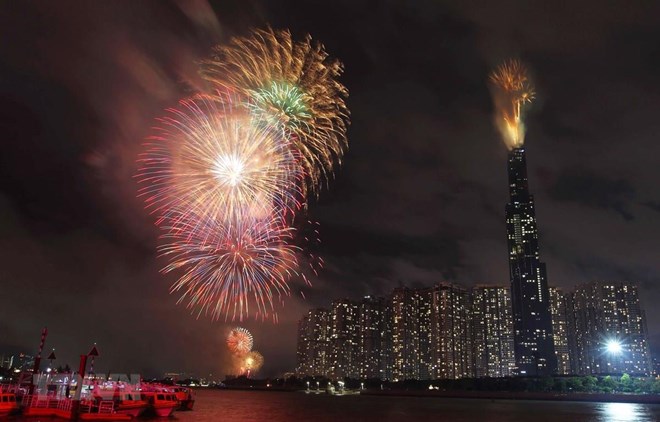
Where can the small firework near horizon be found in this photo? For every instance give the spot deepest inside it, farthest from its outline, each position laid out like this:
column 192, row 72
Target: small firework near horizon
column 252, row 362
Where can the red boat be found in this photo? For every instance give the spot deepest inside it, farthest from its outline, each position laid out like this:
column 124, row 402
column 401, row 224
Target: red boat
column 8, row 404
column 101, row 411
column 185, row 397
column 130, row 403
column 162, row 403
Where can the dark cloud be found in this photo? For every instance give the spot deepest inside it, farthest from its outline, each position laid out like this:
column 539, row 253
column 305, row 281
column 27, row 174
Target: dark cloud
column 420, row 195
column 594, row 191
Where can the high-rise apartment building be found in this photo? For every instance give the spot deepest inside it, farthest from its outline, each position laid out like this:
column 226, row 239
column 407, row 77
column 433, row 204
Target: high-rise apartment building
column 532, row 322
column 610, row 330
column 405, row 334
column 370, row 337
column 492, row 332
column 314, row 350
column 386, row 349
column 560, row 311
column 344, row 329
column 451, row 341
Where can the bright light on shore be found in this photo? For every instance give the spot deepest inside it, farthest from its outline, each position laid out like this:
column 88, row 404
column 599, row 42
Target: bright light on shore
column 614, row 347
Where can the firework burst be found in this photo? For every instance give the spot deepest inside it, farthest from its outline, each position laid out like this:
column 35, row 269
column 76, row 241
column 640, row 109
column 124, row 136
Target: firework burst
column 226, row 173
column 513, row 91
column 291, row 86
column 229, row 268
column 252, row 362
column 239, row 341
column 209, row 160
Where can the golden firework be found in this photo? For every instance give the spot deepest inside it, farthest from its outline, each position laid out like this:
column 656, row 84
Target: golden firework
column 513, row 90
column 252, row 362
column 290, row 85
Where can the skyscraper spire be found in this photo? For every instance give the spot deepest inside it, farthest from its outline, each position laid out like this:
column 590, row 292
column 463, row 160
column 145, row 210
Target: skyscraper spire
column 532, row 321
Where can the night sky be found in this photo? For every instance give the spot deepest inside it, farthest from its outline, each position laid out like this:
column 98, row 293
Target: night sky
column 419, row 199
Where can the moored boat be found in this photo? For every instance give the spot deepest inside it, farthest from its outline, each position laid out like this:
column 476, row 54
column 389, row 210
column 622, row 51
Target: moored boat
column 162, row 403
column 104, row 410
column 46, row 406
column 8, row 404
column 185, row 397
column 131, row 404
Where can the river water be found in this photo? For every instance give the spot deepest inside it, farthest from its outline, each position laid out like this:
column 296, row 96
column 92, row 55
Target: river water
column 239, row 406
column 235, row 406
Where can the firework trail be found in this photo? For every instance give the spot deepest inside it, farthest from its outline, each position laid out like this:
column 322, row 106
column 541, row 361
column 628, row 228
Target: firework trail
column 252, row 363
column 512, row 91
column 210, row 161
column 292, row 86
column 239, row 341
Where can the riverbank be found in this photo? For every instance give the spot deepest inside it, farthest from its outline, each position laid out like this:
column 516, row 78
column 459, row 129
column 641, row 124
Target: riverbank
column 507, row 395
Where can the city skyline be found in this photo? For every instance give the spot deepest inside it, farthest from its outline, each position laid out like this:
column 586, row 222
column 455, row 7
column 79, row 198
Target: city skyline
column 449, row 332
column 419, row 196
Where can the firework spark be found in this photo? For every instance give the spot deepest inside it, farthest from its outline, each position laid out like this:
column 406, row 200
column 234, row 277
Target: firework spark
column 209, row 160
column 239, row 341
column 252, row 362
column 291, row 85
column 512, row 92
column 230, row 268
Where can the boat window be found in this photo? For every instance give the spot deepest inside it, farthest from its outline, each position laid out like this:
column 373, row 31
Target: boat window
column 5, row 398
column 160, row 397
column 12, row 398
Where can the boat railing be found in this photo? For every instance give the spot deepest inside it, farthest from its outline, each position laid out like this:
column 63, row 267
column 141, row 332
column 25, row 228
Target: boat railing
column 46, row 402
column 10, row 388
column 39, row 401
column 65, row 404
column 104, row 406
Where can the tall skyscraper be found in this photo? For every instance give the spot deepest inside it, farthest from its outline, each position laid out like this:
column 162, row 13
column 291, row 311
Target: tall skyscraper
column 532, row 322
column 610, row 330
column 560, row 310
column 492, row 332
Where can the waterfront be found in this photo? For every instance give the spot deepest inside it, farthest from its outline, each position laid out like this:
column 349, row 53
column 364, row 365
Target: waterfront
column 237, row 406
column 280, row 407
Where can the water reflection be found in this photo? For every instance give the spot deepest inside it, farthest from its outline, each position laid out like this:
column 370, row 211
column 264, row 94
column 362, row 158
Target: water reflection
column 624, row 412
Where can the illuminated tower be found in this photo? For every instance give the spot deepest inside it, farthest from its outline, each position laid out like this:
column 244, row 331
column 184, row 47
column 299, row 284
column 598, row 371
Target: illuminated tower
column 532, row 322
